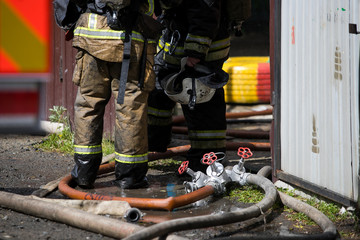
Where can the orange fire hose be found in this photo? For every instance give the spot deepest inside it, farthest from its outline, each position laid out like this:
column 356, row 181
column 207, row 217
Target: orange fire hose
column 180, row 150
column 169, row 203
column 230, row 132
column 153, row 203
column 181, row 119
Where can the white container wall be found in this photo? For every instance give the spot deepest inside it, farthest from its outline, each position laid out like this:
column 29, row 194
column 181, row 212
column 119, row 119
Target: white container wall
column 320, row 94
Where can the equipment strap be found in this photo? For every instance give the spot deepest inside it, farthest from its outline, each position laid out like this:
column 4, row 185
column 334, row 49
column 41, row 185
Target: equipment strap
column 143, row 65
column 124, row 67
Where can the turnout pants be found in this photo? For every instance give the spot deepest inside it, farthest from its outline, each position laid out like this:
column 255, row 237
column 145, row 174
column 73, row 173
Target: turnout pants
column 97, row 81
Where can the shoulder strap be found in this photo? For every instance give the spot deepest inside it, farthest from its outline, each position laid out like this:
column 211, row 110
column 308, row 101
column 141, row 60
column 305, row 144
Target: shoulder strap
column 66, row 13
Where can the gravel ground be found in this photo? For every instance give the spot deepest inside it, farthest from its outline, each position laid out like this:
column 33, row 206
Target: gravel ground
column 23, row 169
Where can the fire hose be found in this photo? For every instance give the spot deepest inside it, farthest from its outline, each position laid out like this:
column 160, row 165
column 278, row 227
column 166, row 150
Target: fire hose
column 171, row 202
column 164, row 228
column 181, row 119
column 217, row 177
column 230, row 132
column 151, row 203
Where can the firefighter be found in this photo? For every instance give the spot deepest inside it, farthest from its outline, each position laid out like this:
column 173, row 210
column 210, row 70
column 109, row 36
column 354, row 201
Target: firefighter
column 197, row 33
column 115, row 56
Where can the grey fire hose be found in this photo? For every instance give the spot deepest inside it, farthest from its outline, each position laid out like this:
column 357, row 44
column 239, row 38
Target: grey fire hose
column 164, row 228
column 328, row 227
column 77, row 218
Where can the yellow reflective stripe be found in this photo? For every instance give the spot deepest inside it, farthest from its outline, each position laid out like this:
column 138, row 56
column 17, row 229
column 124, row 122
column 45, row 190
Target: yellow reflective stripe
column 166, row 46
column 218, row 50
column 159, row 112
column 102, row 34
column 208, row 144
column 196, row 47
column 198, row 39
column 150, row 10
column 223, row 43
column 216, row 45
column 152, row 41
column 87, row 149
column 131, row 159
column 207, row 134
column 108, row 34
column 92, row 21
column 211, row 56
column 181, row 51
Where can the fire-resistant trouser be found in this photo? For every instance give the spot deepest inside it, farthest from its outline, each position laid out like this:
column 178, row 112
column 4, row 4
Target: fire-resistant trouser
column 206, row 124
column 97, row 80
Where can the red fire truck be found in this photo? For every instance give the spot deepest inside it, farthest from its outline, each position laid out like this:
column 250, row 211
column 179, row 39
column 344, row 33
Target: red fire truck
column 25, row 63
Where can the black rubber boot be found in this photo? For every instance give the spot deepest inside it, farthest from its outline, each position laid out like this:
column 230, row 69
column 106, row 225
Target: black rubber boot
column 85, row 169
column 128, row 183
column 131, row 176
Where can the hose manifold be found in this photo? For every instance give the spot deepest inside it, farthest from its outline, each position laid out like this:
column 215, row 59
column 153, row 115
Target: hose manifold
column 217, row 184
column 243, row 179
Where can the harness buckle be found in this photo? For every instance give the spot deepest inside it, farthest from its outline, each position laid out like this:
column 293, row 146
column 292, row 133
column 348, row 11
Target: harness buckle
column 175, row 37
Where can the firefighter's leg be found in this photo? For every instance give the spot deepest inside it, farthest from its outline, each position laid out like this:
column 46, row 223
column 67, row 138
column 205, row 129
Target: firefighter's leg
column 131, row 145
column 93, row 94
column 160, row 110
column 159, row 120
column 207, row 129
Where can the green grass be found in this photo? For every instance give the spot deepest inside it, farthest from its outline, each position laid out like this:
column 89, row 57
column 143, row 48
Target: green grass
column 331, row 210
column 165, row 165
column 63, row 142
column 245, row 194
column 254, row 194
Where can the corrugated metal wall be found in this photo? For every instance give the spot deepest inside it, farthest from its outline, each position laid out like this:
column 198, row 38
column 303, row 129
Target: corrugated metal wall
column 60, row 91
column 319, row 94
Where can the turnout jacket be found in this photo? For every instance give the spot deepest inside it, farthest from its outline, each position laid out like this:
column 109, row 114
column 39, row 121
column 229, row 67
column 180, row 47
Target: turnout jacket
column 195, row 29
column 93, row 34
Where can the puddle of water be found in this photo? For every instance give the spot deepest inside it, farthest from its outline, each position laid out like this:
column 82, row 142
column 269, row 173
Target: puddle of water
column 157, row 189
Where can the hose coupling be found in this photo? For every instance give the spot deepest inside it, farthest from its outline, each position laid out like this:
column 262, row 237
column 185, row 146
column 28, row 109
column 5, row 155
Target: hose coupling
column 198, row 178
column 198, row 181
column 133, row 215
column 217, row 184
column 238, row 175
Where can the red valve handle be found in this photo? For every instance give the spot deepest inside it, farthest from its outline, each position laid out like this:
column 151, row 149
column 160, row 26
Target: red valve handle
column 244, row 152
column 209, row 158
column 183, row 167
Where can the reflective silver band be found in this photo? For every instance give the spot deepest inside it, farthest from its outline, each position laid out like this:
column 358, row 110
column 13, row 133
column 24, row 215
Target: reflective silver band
column 88, row 149
column 159, row 113
column 131, row 159
column 207, row 134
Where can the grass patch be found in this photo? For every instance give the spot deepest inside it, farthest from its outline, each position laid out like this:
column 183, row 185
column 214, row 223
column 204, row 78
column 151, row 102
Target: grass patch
column 331, row 210
column 254, row 194
column 63, row 142
column 165, row 165
column 108, row 146
column 245, row 194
